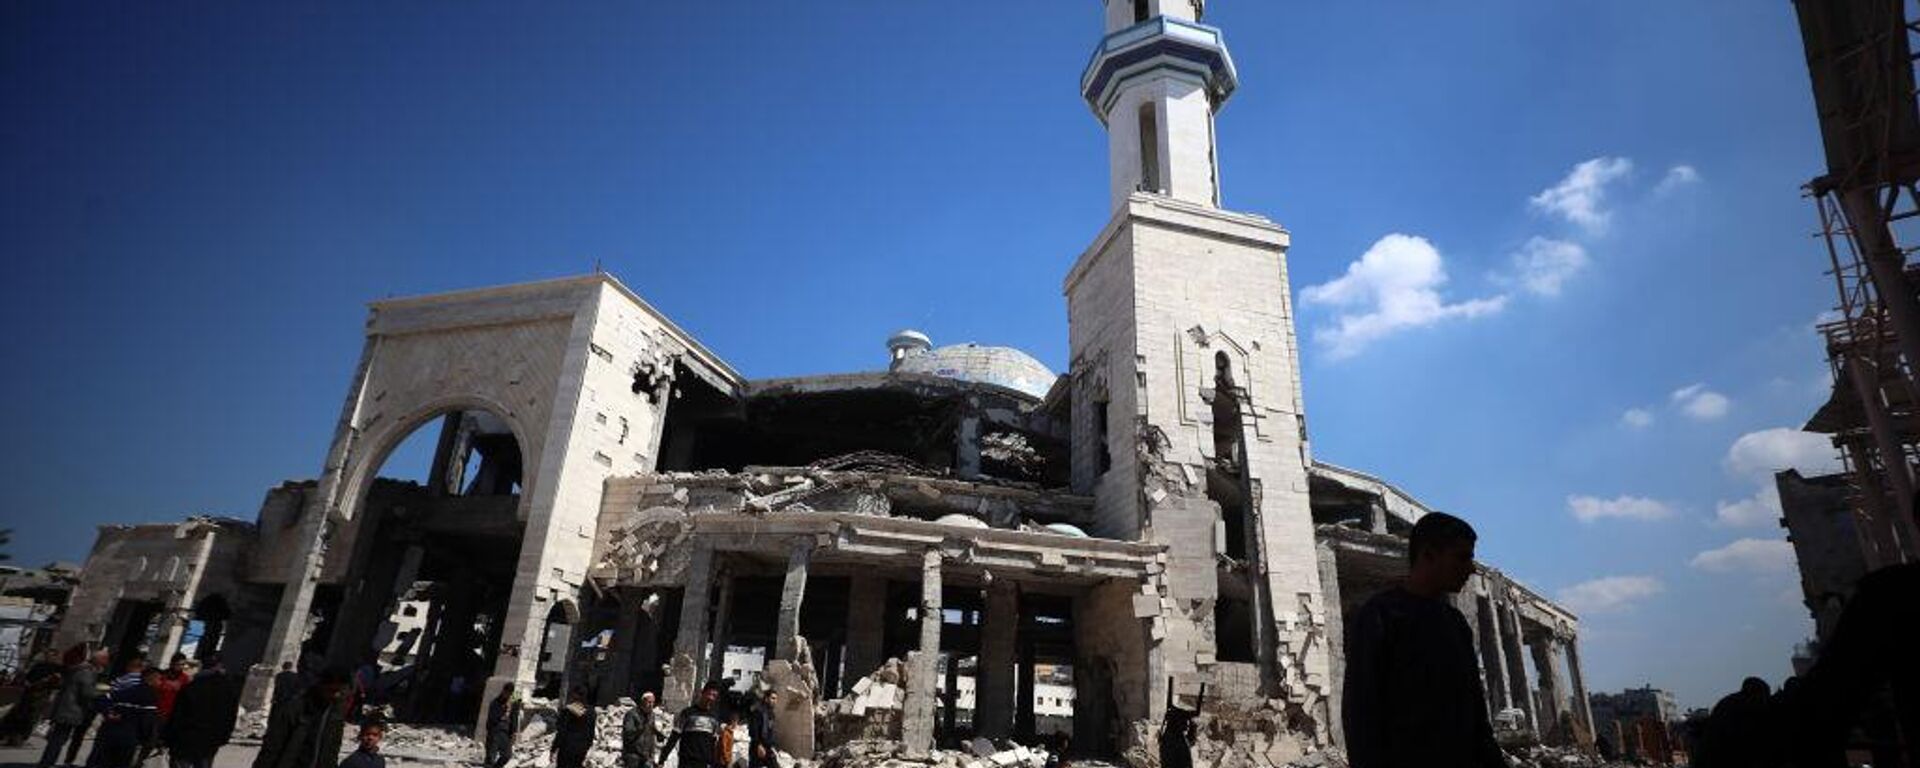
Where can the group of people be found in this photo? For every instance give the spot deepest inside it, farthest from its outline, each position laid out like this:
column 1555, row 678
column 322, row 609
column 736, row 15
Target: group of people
column 188, row 712
column 701, row 735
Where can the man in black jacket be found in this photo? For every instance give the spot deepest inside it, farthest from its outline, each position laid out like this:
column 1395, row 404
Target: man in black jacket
column 203, row 717
column 760, row 737
column 130, row 722
column 503, row 724
column 1413, row 695
column 697, row 732
column 306, row 732
column 367, row 753
column 73, row 708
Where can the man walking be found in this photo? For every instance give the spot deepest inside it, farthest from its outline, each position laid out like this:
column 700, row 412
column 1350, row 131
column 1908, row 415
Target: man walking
column 306, row 732
column 697, row 732
column 1413, row 695
column 639, row 745
column 73, row 708
column 503, row 724
column 130, row 723
column 761, row 744
column 203, row 717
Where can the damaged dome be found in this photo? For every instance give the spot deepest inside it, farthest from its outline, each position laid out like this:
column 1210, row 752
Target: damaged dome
column 1007, row 367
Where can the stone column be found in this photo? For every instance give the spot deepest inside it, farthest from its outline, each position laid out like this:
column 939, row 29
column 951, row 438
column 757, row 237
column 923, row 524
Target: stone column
column 175, row 623
column 1336, row 638
column 296, row 601
column 786, row 640
column 916, row 727
column 720, row 634
column 1519, row 691
column 993, row 688
column 1493, row 656
column 866, row 625
column 690, row 643
column 1582, row 706
column 1552, row 690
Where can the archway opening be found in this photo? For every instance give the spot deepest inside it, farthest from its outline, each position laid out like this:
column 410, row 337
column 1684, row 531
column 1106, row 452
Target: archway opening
column 435, row 543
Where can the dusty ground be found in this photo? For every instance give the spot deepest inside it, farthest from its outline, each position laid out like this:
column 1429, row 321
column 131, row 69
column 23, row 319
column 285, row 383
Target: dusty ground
column 233, row 756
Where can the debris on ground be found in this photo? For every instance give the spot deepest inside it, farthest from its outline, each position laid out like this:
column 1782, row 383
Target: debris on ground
column 1537, row 756
column 870, row 711
column 887, row 753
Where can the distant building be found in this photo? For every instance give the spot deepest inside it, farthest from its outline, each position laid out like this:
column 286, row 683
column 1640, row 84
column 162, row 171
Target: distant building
column 1638, row 723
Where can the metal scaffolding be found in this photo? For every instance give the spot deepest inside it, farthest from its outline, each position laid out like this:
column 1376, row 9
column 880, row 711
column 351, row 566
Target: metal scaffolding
column 1859, row 57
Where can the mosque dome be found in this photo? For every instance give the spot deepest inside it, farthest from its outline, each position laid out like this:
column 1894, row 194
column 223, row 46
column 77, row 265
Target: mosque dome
column 1000, row 366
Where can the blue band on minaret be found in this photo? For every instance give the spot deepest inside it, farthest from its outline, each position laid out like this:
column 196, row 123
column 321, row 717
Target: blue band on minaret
column 1155, row 45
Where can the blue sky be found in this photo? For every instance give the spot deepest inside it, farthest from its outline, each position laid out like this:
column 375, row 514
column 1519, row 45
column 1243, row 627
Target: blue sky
column 194, row 208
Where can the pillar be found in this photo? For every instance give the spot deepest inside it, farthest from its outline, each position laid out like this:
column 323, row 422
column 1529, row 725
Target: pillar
column 1336, row 638
column 690, row 642
column 1519, row 693
column 916, row 728
column 296, row 602
column 786, row 641
column 174, row 621
column 722, row 628
column 1582, row 706
column 1552, row 689
column 866, row 625
column 966, row 447
column 993, row 687
column 1493, row 656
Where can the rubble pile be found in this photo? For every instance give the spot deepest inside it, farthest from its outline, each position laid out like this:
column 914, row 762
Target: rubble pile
column 870, row 712
column 250, row 724
column 1536, row 756
column 534, row 747
column 1268, row 736
column 436, row 742
column 888, row 753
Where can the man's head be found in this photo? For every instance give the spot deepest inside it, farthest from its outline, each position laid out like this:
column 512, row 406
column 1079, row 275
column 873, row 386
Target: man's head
column 286, row 666
column 178, row 663
column 1755, row 687
column 709, row 695
column 1440, row 551
column 370, row 734
column 150, row 676
column 214, row 664
column 577, row 694
column 771, row 698
column 137, row 664
column 100, row 658
column 646, row 702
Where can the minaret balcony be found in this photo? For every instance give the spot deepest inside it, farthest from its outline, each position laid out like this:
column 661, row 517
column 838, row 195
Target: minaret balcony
column 1157, row 46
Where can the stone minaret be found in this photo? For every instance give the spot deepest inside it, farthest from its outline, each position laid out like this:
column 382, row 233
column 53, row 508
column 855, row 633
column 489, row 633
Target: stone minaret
column 1187, row 420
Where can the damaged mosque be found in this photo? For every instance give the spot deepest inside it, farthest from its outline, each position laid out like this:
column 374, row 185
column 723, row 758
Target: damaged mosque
column 959, row 543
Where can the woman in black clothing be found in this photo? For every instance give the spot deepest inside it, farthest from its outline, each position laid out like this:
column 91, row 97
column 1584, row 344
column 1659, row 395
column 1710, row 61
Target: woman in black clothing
column 573, row 734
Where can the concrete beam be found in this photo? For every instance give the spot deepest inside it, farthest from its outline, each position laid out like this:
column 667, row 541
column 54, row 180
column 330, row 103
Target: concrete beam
column 993, row 692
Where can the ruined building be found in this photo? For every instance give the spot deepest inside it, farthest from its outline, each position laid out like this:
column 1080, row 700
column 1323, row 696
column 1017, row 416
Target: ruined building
column 611, row 503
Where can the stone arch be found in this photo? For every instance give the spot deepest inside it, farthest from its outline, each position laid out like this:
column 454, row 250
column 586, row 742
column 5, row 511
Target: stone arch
column 374, row 447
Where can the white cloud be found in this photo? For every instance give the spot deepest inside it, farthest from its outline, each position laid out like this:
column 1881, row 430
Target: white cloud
column 1587, row 509
column 1581, row 196
column 1760, row 454
column 1700, row 403
column 1678, row 176
column 1543, row 264
column 1762, row 508
column 1749, row 556
column 1609, row 593
column 1637, row 418
column 1394, row 286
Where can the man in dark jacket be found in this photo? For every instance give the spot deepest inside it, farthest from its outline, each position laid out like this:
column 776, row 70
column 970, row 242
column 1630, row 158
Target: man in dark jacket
column 129, row 723
column 503, row 724
column 697, row 732
column 203, row 717
column 42, row 681
column 1413, row 695
column 639, row 738
column 287, row 686
column 367, row 754
column 73, row 708
column 761, row 744
column 573, row 730
column 306, row 732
